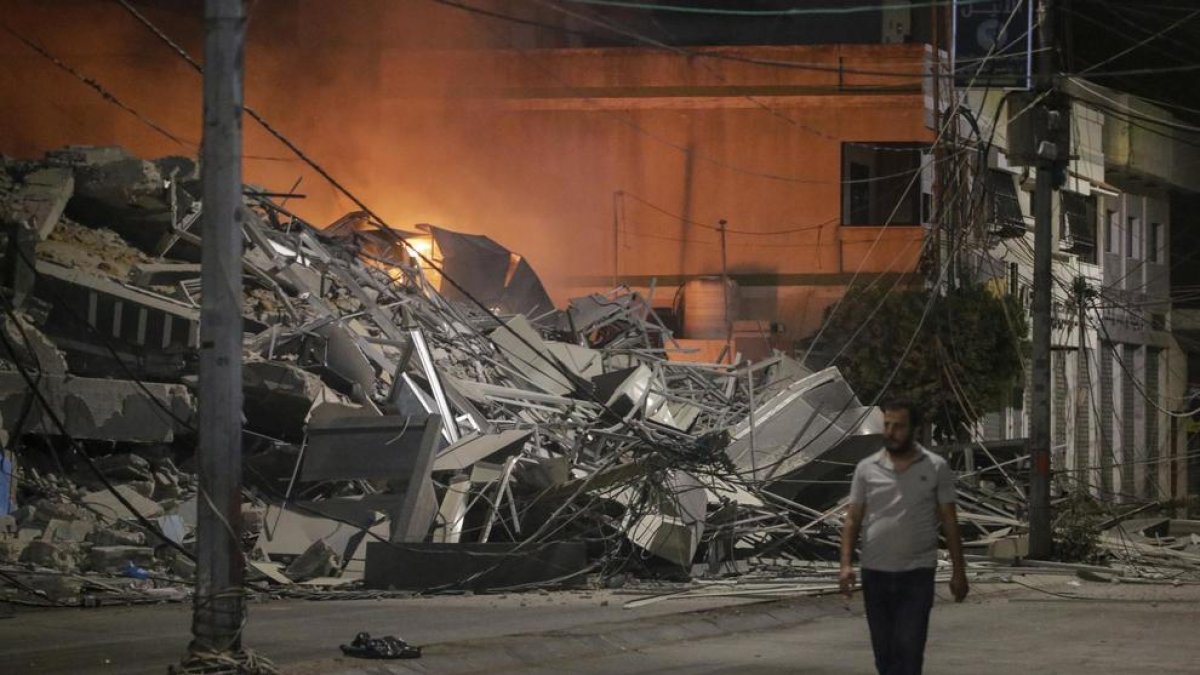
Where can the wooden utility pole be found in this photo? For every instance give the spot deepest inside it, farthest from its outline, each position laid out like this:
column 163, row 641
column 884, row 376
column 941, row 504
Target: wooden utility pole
column 1049, row 156
column 219, row 607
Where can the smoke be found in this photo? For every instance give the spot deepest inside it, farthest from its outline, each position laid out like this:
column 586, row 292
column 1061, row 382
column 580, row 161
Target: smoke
column 384, row 95
column 433, row 115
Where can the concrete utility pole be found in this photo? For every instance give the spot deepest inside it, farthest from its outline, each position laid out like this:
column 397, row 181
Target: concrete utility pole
column 1040, row 539
column 219, row 604
column 725, row 293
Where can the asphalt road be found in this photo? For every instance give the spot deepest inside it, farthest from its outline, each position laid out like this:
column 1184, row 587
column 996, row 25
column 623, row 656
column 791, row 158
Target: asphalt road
column 135, row 640
column 1003, row 628
column 1120, row 630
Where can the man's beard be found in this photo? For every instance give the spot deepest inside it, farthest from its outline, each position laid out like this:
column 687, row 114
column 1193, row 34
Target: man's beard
column 901, row 449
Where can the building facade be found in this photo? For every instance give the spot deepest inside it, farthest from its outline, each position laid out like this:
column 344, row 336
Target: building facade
column 1119, row 376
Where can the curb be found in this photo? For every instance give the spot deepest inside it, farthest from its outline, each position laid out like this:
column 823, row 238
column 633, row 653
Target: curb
column 539, row 649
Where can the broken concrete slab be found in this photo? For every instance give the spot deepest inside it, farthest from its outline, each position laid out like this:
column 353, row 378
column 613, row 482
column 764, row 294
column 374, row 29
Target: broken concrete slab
column 583, row 361
column 163, row 274
column 288, row 533
column 673, row 528
column 524, row 348
column 108, row 507
column 833, row 426
column 55, row 556
column 80, row 155
column 124, row 467
column 113, row 558
column 67, row 532
column 278, row 398
column 42, row 198
column 100, row 409
column 429, row 566
column 477, row 447
column 43, row 512
column 380, row 447
column 32, row 349
column 111, row 536
column 124, row 312
column 267, row 570
column 129, row 196
column 11, row 551
column 318, row 560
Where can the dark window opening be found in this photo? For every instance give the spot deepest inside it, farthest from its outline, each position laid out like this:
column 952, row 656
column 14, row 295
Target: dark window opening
column 1006, row 218
column 1154, row 241
column 1133, row 238
column 881, row 184
column 1077, row 231
column 1111, row 231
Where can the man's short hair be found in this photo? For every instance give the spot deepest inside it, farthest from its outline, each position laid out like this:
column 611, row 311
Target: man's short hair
column 914, row 412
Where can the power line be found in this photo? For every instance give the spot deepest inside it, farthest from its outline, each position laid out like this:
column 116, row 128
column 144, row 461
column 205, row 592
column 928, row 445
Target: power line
column 626, row 31
column 655, row 207
column 724, row 56
column 95, row 86
column 1175, row 24
column 792, row 11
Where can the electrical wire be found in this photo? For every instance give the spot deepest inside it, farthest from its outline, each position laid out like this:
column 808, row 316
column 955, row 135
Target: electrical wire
column 788, row 12
column 95, row 86
column 730, row 57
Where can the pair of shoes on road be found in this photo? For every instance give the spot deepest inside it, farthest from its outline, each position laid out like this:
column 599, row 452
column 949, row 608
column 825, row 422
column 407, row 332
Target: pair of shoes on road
column 389, row 647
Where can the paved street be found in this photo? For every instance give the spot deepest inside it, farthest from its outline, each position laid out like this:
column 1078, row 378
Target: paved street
column 134, row 640
column 1003, row 628
column 1123, row 629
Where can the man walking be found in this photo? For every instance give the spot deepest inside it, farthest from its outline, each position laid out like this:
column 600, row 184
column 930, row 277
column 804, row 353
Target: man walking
column 897, row 497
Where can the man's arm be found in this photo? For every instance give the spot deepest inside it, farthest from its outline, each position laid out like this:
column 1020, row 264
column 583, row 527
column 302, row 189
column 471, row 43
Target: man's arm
column 958, row 580
column 850, row 529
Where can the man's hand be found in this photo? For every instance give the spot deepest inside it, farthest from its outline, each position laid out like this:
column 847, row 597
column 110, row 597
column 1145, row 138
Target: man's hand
column 846, row 580
column 958, row 581
column 958, row 585
column 850, row 527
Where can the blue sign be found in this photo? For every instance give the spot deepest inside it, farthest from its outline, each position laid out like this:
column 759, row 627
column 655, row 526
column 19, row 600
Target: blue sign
column 993, row 44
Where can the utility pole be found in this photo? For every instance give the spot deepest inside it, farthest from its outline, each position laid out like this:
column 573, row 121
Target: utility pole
column 725, row 294
column 1048, row 158
column 618, row 206
column 219, row 607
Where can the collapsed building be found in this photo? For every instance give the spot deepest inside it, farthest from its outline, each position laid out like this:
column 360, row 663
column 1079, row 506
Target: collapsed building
column 409, row 423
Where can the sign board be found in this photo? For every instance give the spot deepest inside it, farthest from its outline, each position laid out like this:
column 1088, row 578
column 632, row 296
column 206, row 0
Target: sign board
column 993, row 44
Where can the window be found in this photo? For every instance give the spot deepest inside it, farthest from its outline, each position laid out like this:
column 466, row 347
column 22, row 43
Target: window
column 1112, row 233
column 881, row 183
column 1133, row 237
column 1154, row 242
column 1077, row 229
column 1006, row 218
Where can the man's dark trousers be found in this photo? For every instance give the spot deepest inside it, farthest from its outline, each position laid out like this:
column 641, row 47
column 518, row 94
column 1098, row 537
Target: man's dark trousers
column 898, row 605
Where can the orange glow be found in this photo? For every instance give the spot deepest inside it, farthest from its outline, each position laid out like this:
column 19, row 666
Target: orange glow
column 423, row 246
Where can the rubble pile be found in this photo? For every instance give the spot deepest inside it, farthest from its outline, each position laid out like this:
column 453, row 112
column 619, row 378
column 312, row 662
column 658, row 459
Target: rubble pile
column 409, row 424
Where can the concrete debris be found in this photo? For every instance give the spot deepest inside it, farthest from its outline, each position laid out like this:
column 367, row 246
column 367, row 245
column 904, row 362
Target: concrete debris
column 38, row 200
column 514, row 445
column 318, row 560
column 50, row 555
column 107, row 506
column 113, row 558
column 95, row 409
